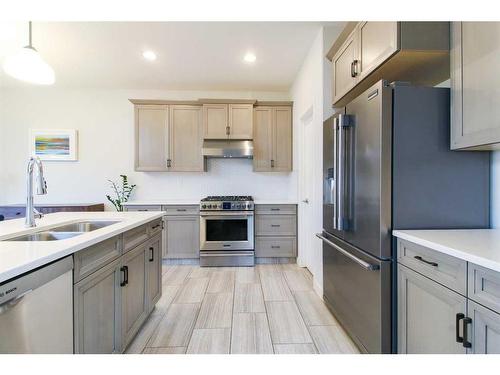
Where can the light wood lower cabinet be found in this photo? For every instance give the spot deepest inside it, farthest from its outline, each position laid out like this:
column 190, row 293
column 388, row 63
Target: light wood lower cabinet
column 434, row 319
column 182, row 235
column 427, row 315
column 97, row 311
column 133, row 292
column 112, row 303
column 153, row 271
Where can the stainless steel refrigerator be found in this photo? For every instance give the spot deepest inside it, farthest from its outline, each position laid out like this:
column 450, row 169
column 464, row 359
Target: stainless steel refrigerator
column 387, row 165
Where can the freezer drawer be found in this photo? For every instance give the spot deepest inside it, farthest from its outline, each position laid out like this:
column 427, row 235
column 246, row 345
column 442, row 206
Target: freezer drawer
column 357, row 288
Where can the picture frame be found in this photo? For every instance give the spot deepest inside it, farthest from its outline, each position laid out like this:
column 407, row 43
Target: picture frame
column 54, row 144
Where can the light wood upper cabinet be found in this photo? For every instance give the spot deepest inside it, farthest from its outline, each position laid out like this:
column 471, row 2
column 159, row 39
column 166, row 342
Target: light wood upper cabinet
column 475, row 97
column 185, row 138
column 215, row 121
column 282, row 140
column 263, row 139
column 151, row 137
column 377, row 41
column 343, row 77
column 240, row 121
column 416, row 52
column 168, row 138
column 272, row 139
column 223, row 121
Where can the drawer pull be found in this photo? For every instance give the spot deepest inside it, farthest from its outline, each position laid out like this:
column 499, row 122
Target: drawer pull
column 466, row 322
column 275, row 247
column 275, row 209
column 156, row 226
column 433, row 264
column 458, row 318
column 143, row 209
column 181, row 210
column 275, row 225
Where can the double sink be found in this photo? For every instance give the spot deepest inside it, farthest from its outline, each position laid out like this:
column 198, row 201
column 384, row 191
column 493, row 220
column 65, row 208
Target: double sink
column 65, row 231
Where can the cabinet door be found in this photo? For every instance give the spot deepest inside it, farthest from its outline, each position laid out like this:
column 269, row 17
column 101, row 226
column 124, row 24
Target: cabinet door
column 133, row 292
column 185, row 139
column 151, row 137
column 215, row 121
column 241, row 121
column 263, row 145
column 475, row 54
column 153, row 267
column 97, row 310
column 282, row 140
column 343, row 76
column 427, row 315
column 377, row 41
column 485, row 337
column 183, row 237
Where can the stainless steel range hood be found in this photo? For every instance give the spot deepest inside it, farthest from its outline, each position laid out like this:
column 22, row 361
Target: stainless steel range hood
column 227, row 149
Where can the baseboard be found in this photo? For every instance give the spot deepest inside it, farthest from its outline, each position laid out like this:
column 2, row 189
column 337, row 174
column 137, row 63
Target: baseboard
column 170, row 262
column 261, row 260
column 318, row 288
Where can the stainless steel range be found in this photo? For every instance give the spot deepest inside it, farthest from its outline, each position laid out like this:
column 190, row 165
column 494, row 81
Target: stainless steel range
column 227, row 231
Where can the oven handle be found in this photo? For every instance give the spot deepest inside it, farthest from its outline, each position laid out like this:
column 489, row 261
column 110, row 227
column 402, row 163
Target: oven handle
column 234, row 213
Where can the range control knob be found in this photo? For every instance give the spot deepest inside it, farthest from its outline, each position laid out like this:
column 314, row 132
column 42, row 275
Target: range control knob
column 203, row 206
column 209, row 206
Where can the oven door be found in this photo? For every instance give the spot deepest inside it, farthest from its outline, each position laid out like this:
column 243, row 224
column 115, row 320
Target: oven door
column 226, row 230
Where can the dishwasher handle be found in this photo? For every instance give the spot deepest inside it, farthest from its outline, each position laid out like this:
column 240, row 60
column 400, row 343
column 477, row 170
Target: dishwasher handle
column 8, row 305
column 367, row 266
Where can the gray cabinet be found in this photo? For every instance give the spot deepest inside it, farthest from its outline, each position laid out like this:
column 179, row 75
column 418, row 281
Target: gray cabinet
column 134, row 302
column 427, row 315
column 112, row 298
column 275, row 231
column 475, row 98
column 97, row 311
column 485, row 329
column 153, row 272
column 182, row 237
column 416, row 52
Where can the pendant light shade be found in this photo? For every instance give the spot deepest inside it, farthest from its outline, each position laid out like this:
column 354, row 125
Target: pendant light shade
column 27, row 65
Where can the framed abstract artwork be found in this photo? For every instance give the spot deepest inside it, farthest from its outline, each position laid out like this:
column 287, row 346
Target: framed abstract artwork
column 54, row 144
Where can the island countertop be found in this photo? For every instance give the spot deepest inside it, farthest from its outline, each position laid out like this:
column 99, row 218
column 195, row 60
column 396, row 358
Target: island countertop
column 18, row 257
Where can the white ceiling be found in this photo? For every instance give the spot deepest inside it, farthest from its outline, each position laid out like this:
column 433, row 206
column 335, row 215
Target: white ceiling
column 191, row 55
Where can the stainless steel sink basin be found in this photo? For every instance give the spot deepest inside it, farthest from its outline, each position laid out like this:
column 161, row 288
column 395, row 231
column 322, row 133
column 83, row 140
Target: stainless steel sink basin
column 65, row 231
column 83, row 226
column 46, row 236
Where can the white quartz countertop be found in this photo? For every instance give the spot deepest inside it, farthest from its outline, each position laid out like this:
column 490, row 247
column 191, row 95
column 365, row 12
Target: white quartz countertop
column 197, row 202
column 478, row 246
column 18, row 257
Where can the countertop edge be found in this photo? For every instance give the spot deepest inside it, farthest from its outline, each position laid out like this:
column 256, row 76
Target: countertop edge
column 463, row 255
column 28, row 266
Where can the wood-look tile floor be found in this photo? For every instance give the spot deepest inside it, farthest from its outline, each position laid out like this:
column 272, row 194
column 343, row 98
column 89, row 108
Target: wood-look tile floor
column 270, row 308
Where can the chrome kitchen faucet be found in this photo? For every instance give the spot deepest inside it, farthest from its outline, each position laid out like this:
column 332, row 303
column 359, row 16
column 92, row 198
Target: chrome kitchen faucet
column 41, row 189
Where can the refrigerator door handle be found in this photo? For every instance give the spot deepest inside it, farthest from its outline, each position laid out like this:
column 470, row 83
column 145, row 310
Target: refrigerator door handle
column 334, row 181
column 340, row 174
column 367, row 266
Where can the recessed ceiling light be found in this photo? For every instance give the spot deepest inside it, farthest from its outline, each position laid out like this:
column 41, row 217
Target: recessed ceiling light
column 149, row 55
column 250, row 57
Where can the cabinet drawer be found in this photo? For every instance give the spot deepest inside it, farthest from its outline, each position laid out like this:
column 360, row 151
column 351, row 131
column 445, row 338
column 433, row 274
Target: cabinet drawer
column 181, row 210
column 135, row 236
column 484, row 286
column 276, row 209
column 275, row 225
column 268, row 247
column 143, row 208
column 155, row 227
column 445, row 269
column 95, row 257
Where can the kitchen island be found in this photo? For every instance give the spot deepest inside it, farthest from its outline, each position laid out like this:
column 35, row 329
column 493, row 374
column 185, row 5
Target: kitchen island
column 111, row 280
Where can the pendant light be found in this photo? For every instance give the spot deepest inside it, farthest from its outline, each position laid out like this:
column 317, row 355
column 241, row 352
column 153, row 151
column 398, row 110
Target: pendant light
column 27, row 65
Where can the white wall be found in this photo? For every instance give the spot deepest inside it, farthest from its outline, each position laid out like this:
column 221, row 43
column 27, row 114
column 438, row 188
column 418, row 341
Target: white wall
column 104, row 119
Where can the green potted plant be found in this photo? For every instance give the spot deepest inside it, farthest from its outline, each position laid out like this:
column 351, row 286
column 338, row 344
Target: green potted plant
column 122, row 193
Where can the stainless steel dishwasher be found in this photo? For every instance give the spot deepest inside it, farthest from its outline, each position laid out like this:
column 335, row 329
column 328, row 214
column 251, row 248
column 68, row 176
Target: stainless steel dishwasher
column 36, row 310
